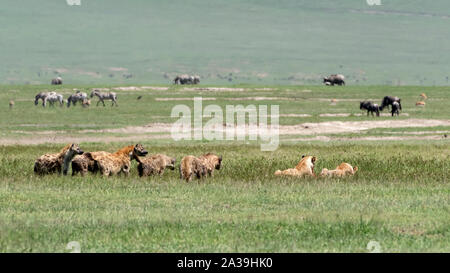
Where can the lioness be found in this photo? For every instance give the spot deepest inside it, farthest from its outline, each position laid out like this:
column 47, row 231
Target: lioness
column 304, row 168
column 341, row 170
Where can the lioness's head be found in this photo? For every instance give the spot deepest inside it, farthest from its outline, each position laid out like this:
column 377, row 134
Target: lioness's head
column 324, row 172
column 306, row 158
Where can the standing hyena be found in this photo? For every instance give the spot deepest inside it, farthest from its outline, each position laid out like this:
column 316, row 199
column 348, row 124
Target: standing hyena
column 155, row 164
column 52, row 163
column 212, row 162
column 190, row 166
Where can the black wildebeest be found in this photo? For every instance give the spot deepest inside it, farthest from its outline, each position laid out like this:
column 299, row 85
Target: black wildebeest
column 370, row 107
column 57, row 81
column 334, row 79
column 395, row 106
column 389, row 100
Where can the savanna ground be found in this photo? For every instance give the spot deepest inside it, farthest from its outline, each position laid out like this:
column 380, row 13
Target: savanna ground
column 400, row 196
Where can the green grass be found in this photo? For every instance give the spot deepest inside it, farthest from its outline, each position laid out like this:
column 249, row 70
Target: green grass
column 225, row 41
column 25, row 117
column 399, row 198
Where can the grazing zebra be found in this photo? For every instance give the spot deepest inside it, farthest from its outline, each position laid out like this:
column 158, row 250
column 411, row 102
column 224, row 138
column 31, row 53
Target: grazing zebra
column 77, row 97
column 52, row 97
column 40, row 96
column 105, row 96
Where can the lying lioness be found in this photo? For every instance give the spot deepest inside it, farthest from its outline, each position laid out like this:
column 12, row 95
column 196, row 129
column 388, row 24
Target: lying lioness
column 341, row 170
column 304, row 168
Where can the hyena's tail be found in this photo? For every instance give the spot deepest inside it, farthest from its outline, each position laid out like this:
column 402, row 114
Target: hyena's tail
column 355, row 169
column 278, row 172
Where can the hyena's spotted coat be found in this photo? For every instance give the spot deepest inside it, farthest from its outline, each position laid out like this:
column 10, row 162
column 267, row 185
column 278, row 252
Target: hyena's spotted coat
column 120, row 161
column 155, row 164
column 54, row 163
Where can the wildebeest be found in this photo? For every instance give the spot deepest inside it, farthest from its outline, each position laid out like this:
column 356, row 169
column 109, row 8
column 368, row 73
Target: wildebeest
column 388, row 100
column 395, row 107
column 57, row 81
column 370, row 107
column 334, row 79
column 186, row 79
column 105, row 96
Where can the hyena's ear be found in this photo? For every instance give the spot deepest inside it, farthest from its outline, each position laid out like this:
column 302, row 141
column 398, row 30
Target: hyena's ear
column 303, row 156
column 313, row 159
column 220, row 158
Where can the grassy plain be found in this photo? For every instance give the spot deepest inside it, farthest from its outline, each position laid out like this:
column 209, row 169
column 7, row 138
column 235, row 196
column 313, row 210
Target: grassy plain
column 400, row 197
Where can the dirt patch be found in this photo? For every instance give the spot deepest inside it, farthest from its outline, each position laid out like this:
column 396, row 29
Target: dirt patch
column 418, row 133
column 338, row 100
column 149, row 128
column 128, row 88
column 101, row 89
column 157, row 88
column 69, row 139
column 217, row 89
column 264, row 89
column 374, row 138
column 259, row 98
column 138, row 133
column 335, row 115
column 295, row 115
column 334, row 127
column 118, row 69
column 181, row 99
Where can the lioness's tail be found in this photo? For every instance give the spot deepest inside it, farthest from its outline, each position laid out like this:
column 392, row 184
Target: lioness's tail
column 355, row 169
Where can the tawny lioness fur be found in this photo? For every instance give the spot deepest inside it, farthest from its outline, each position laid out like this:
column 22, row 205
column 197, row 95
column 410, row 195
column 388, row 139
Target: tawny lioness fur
column 304, row 168
column 155, row 164
column 55, row 163
column 343, row 169
column 118, row 162
column 212, row 162
column 190, row 166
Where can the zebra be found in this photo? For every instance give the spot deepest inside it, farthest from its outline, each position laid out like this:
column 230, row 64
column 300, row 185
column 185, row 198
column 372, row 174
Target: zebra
column 52, row 97
column 105, row 96
column 40, row 96
column 74, row 98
